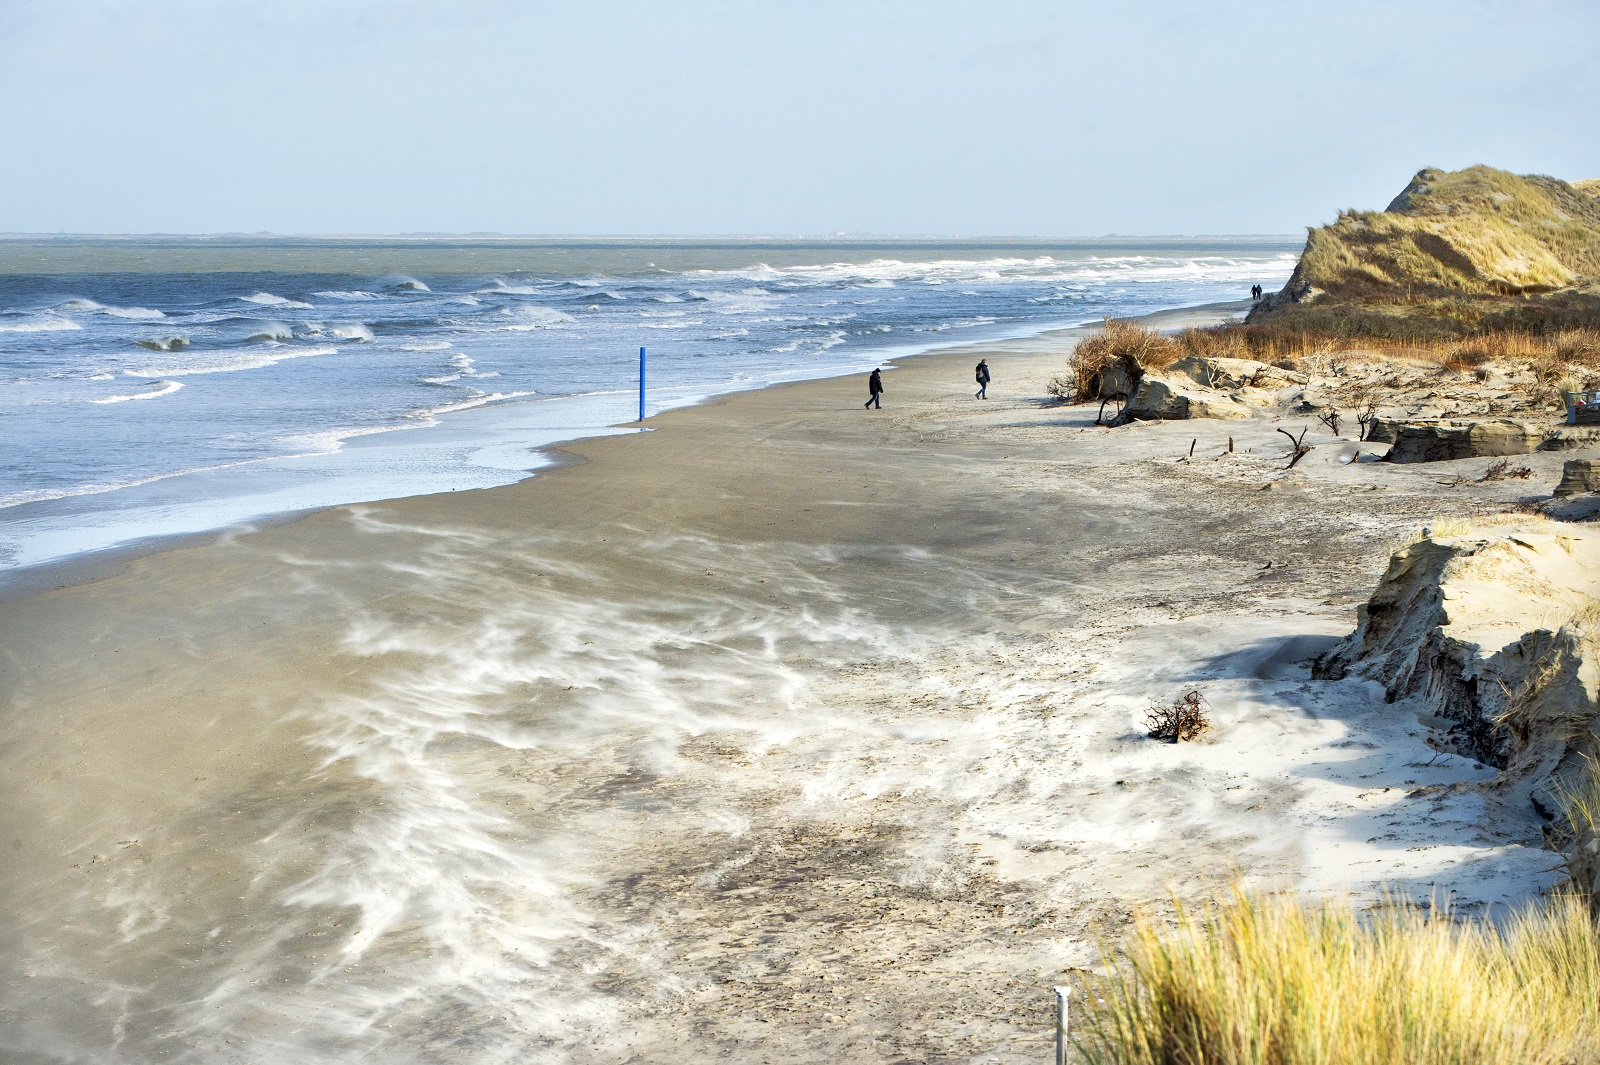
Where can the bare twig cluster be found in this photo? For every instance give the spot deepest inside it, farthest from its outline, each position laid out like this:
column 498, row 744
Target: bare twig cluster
column 1365, row 416
column 1503, row 471
column 1298, row 443
column 1330, row 418
column 1182, row 719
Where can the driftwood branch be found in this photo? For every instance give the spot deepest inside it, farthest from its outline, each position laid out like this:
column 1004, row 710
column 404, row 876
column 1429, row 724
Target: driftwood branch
column 1301, row 448
column 1121, row 402
column 1365, row 417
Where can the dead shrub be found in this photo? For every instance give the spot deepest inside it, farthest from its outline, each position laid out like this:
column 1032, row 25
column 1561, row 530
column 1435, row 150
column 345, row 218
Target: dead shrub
column 1183, row 719
column 1122, row 346
column 1300, row 448
column 1547, row 367
column 1469, row 354
column 1579, row 347
column 1503, row 470
column 1542, row 396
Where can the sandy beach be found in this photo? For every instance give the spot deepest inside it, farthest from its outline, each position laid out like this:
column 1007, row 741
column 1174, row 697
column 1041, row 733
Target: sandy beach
column 784, row 731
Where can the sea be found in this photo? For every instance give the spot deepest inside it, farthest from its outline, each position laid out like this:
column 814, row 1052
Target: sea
column 166, row 385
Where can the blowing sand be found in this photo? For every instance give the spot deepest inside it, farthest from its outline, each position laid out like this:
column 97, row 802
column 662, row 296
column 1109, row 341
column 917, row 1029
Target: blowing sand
column 786, row 731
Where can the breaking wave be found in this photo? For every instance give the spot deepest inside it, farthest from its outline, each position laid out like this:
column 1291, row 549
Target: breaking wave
column 267, row 299
column 208, row 362
column 48, row 323
column 163, row 388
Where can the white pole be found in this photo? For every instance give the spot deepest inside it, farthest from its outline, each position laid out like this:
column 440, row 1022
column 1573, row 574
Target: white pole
column 1061, row 1023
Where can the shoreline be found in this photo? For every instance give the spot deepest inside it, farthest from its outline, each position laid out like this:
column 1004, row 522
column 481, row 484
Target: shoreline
column 95, row 563
column 789, row 729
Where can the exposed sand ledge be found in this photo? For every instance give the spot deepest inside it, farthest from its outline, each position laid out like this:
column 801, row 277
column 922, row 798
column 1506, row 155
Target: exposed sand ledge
column 789, row 729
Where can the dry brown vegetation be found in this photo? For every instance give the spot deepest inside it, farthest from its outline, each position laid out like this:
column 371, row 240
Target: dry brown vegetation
column 1121, row 352
column 1274, row 342
column 1184, row 718
column 1360, row 373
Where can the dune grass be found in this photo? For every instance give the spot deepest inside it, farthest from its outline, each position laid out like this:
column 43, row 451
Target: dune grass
column 1457, row 254
column 1477, row 231
column 1272, row 980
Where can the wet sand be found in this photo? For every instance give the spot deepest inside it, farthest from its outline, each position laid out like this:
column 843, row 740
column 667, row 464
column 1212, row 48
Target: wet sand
column 786, row 731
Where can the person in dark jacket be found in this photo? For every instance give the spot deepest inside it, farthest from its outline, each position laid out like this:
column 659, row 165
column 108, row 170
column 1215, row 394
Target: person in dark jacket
column 983, row 380
column 874, row 390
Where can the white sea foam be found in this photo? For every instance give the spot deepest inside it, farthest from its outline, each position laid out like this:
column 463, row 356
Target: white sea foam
column 883, row 273
column 271, row 331
column 163, row 388
column 424, row 345
column 204, row 362
column 88, row 306
column 46, row 323
column 355, row 294
column 960, row 323
column 538, row 317
column 267, row 299
column 481, row 399
column 99, row 487
column 462, row 367
column 352, row 331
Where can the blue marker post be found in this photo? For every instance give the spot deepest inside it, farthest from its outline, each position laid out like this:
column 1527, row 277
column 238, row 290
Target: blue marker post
column 641, row 384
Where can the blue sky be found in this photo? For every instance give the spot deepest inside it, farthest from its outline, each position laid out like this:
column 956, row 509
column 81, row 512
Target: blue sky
column 995, row 118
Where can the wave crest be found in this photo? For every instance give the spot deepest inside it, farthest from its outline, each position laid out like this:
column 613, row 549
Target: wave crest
column 161, row 388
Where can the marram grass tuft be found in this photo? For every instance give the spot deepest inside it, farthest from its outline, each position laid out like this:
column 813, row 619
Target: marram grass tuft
column 1273, row 980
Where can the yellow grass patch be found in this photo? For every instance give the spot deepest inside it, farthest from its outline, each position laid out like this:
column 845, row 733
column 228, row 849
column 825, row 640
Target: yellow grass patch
column 1272, row 980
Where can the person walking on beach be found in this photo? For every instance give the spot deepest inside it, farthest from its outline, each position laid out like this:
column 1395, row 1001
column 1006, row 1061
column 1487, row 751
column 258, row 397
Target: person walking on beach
column 983, row 380
column 874, row 390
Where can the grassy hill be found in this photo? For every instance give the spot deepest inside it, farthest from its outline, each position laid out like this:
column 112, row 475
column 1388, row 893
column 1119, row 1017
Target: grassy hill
column 1456, row 252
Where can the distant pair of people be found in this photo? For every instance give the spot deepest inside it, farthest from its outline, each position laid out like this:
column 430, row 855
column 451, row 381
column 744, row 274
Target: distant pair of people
column 1256, row 292
column 875, row 385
